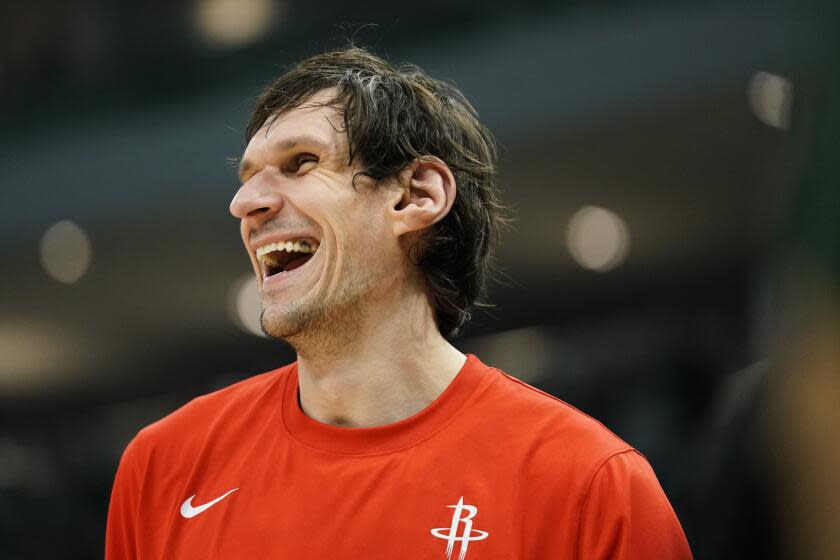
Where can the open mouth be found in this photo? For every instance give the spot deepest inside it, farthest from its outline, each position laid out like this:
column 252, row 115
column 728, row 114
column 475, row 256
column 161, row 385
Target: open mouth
column 285, row 256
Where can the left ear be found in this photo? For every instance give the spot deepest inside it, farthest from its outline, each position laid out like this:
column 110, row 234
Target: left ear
column 426, row 197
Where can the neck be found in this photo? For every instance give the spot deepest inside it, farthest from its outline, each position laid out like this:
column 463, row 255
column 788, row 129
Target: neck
column 396, row 364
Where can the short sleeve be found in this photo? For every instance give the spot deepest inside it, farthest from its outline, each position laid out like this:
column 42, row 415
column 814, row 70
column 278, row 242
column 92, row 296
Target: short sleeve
column 626, row 515
column 120, row 534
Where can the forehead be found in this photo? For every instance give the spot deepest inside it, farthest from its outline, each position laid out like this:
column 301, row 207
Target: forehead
column 311, row 125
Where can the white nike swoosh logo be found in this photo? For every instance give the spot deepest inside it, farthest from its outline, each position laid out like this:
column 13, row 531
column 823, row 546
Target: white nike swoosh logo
column 187, row 509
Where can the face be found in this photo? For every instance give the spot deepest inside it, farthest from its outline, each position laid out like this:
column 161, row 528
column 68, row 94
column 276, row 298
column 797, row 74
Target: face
column 298, row 188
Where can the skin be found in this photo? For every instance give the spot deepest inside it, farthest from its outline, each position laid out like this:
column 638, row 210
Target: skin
column 358, row 316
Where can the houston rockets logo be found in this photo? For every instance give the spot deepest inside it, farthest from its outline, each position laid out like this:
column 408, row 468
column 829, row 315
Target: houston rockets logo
column 468, row 535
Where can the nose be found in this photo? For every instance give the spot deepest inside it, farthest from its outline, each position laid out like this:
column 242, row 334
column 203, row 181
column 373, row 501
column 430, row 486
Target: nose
column 256, row 201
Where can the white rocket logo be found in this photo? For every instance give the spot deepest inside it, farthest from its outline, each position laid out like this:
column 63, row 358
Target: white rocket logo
column 468, row 535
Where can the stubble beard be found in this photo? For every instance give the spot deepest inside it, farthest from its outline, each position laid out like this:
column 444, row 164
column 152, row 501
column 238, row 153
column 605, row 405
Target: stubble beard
column 317, row 326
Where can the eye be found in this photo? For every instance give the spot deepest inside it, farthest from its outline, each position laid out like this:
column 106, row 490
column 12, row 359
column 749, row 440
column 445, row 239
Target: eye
column 301, row 163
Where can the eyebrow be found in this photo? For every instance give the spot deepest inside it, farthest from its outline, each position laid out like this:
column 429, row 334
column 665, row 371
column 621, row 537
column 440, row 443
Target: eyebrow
column 285, row 145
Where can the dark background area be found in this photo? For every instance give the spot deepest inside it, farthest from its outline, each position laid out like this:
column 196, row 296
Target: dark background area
column 679, row 118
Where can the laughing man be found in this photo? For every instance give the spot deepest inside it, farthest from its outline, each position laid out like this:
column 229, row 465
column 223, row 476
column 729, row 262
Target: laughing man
column 369, row 212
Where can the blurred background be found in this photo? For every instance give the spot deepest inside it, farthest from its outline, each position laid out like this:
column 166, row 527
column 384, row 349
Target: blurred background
column 674, row 269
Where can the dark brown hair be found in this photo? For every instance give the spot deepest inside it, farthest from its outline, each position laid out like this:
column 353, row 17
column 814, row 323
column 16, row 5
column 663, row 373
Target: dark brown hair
column 393, row 116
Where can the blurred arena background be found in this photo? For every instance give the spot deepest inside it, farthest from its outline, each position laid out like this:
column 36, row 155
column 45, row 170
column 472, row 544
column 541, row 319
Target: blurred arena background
column 674, row 270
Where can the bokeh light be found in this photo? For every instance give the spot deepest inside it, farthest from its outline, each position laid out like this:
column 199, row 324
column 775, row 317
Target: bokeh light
column 66, row 252
column 35, row 354
column 597, row 238
column 245, row 304
column 234, row 23
column 770, row 98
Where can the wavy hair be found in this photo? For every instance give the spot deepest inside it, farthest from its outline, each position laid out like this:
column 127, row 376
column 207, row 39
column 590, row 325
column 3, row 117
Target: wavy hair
column 393, row 116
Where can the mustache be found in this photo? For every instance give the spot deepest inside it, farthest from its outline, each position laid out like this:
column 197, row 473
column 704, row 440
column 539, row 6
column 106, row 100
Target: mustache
column 278, row 226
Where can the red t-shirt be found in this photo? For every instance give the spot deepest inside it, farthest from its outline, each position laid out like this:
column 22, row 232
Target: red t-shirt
column 492, row 469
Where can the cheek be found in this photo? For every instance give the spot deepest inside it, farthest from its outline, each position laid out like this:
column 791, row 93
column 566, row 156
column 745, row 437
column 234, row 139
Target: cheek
column 361, row 229
column 378, row 248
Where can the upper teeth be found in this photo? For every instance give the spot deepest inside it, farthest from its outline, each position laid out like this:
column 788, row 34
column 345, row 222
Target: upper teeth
column 288, row 246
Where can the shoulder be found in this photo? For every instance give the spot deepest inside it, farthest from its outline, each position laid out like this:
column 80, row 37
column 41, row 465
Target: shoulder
column 193, row 421
column 556, row 437
column 553, row 419
column 626, row 488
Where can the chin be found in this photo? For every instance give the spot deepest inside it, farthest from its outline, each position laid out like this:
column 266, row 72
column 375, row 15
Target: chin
column 284, row 322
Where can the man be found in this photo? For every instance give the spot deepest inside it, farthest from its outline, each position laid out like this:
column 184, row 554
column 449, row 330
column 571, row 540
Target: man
column 368, row 210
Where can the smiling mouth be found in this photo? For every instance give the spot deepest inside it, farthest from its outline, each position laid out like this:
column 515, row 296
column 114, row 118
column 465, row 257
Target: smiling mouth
column 285, row 256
